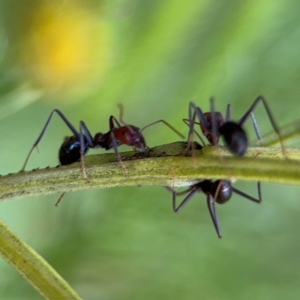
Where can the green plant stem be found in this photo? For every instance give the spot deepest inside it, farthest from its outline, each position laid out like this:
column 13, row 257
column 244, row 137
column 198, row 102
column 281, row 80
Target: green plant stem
column 163, row 165
column 33, row 267
column 166, row 166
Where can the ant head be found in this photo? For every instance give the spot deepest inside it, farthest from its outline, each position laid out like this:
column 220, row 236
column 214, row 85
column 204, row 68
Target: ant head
column 131, row 136
column 224, row 190
column 234, row 137
column 69, row 152
column 208, row 129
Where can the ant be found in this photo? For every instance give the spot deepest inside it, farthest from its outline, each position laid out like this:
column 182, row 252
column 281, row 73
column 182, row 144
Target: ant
column 213, row 125
column 127, row 134
column 219, row 191
column 75, row 147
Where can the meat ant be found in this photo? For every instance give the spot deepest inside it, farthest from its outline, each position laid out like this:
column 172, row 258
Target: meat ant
column 75, row 147
column 213, row 125
column 219, row 191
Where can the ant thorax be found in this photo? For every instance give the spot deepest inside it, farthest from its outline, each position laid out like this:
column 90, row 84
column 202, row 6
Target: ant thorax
column 105, row 140
column 131, row 136
column 208, row 129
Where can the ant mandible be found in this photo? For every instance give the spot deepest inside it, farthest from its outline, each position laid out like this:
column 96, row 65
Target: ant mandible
column 213, row 125
column 219, row 191
column 75, row 147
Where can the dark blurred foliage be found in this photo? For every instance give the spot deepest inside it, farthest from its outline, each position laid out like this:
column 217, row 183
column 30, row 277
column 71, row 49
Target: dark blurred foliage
column 85, row 57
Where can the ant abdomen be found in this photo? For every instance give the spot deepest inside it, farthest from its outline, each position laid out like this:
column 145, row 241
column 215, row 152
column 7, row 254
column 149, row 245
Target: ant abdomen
column 69, row 152
column 234, row 137
column 225, row 191
column 221, row 190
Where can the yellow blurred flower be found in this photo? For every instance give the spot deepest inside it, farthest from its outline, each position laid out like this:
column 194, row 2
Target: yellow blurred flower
column 68, row 46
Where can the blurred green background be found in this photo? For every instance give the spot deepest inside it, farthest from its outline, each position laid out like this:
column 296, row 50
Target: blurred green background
column 85, row 57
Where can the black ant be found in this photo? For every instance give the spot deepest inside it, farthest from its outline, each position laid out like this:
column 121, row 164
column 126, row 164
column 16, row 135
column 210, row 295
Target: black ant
column 219, row 191
column 213, row 125
column 75, row 147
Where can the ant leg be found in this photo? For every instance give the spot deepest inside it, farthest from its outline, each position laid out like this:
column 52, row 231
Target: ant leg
column 258, row 183
column 167, row 124
column 215, row 134
column 213, row 117
column 228, row 113
column 213, row 214
column 82, row 127
column 121, row 107
column 274, row 125
column 200, row 115
column 112, row 119
column 191, row 120
column 190, row 135
column 191, row 191
column 65, row 120
column 254, row 123
column 115, row 146
column 59, row 199
column 171, row 190
column 192, row 124
column 84, row 132
column 259, row 200
column 289, row 132
column 187, row 122
column 197, row 112
column 87, row 134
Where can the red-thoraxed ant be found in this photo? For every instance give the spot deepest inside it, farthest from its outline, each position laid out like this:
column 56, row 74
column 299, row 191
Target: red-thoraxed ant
column 213, row 125
column 75, row 147
column 219, row 191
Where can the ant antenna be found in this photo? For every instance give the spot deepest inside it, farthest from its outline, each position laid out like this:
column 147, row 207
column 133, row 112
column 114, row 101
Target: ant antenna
column 228, row 113
column 121, row 107
column 167, row 124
